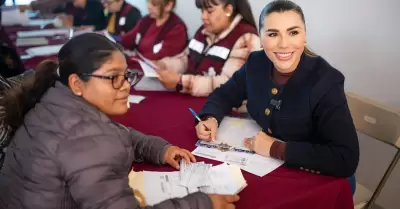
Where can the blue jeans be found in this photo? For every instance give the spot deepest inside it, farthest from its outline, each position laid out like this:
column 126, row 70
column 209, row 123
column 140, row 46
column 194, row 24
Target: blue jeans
column 352, row 181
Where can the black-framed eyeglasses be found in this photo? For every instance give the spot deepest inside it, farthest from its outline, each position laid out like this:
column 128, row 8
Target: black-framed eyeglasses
column 132, row 76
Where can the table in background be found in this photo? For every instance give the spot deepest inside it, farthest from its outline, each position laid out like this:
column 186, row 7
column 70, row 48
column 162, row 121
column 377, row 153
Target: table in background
column 166, row 114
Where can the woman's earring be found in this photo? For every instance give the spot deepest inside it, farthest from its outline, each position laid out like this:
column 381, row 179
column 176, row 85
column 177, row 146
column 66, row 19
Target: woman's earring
column 79, row 93
column 228, row 14
column 305, row 44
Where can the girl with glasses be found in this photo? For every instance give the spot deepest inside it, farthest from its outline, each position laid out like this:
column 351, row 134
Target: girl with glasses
column 66, row 152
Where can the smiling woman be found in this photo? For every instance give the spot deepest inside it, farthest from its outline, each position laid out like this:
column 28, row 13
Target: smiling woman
column 295, row 96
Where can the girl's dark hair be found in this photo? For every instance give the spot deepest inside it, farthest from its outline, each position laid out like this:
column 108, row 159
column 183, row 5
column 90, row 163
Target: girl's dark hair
column 81, row 55
column 282, row 6
column 241, row 7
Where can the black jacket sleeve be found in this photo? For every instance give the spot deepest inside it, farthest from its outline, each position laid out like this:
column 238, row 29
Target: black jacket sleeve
column 228, row 95
column 337, row 151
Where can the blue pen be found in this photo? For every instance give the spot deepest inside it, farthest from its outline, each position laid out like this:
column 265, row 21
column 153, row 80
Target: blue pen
column 198, row 118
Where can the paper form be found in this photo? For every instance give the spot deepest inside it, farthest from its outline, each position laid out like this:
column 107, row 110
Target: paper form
column 252, row 163
column 40, row 22
column 233, row 131
column 45, row 32
column 135, row 99
column 12, row 16
column 159, row 186
column 44, row 50
column 31, row 41
column 150, row 84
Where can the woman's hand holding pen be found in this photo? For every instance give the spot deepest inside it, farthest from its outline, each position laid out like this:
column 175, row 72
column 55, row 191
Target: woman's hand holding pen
column 207, row 130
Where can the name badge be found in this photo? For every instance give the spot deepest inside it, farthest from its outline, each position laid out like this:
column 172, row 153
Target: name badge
column 219, row 51
column 122, row 21
column 211, row 72
column 138, row 37
column 196, row 46
column 157, row 47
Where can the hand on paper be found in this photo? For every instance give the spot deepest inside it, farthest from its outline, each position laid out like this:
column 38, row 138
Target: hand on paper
column 168, row 78
column 223, row 201
column 261, row 143
column 207, row 130
column 174, row 154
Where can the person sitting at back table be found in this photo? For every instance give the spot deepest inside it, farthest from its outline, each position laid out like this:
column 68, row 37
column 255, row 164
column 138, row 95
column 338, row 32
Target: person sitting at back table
column 121, row 16
column 218, row 49
column 82, row 13
column 161, row 34
column 67, row 152
column 293, row 95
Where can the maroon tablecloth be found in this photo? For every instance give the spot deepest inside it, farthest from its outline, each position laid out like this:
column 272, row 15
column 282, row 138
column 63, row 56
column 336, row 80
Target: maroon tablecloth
column 166, row 114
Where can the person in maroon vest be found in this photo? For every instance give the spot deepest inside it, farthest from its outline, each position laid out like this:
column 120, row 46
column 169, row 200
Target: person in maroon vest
column 122, row 17
column 218, row 49
column 158, row 35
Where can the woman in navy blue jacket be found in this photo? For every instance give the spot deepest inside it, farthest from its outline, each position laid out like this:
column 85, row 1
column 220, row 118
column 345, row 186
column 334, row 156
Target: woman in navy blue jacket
column 294, row 96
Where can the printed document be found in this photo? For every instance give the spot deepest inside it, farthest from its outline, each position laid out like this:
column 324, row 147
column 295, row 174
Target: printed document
column 31, row 41
column 44, row 50
column 252, row 163
column 45, row 32
column 159, row 186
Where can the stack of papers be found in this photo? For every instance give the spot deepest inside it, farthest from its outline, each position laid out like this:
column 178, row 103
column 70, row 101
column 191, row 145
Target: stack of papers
column 252, row 163
column 12, row 16
column 194, row 175
column 40, row 22
column 159, row 186
column 31, row 41
column 46, row 32
column 44, row 50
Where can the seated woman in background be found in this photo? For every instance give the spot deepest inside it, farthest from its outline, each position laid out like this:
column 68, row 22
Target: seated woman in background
column 121, row 16
column 296, row 97
column 158, row 35
column 82, row 13
column 67, row 152
column 219, row 48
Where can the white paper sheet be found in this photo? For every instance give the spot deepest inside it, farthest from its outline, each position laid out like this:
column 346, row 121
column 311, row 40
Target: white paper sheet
column 45, row 32
column 44, row 50
column 31, row 41
column 40, row 22
column 252, row 163
column 160, row 186
column 233, row 131
column 12, row 16
column 135, row 99
column 150, row 84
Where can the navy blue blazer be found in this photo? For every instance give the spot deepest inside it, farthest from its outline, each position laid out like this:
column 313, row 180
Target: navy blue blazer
column 310, row 112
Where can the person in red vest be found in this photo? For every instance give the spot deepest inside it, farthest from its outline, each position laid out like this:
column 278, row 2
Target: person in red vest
column 121, row 16
column 217, row 50
column 158, row 35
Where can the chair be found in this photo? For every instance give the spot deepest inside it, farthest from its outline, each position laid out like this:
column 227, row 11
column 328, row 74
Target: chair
column 382, row 123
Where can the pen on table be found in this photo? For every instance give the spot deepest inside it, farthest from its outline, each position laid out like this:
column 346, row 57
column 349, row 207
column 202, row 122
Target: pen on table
column 198, row 118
